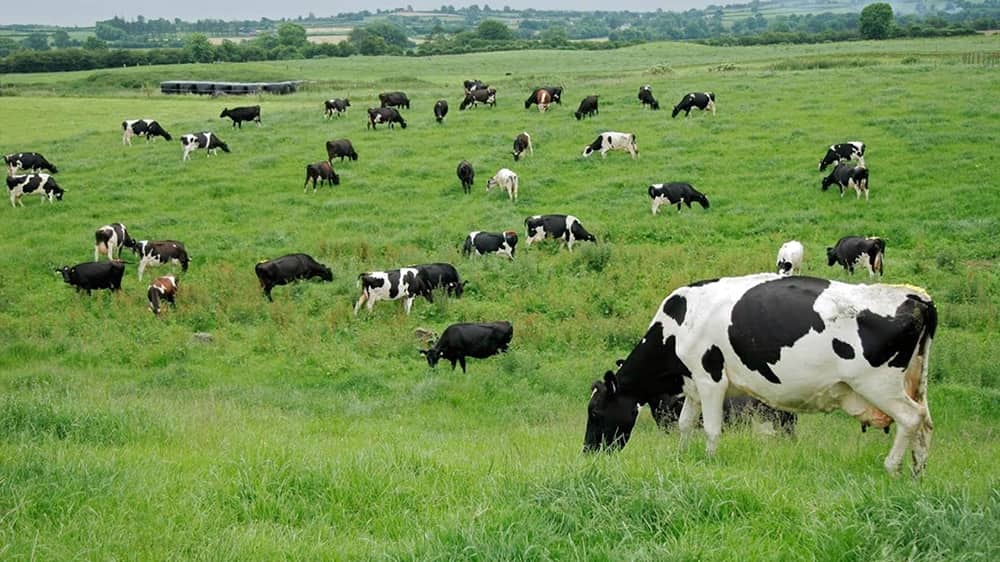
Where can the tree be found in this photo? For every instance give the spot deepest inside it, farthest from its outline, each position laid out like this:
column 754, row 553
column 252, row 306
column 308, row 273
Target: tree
column 492, row 30
column 875, row 21
column 61, row 39
column 92, row 43
column 36, row 42
column 8, row 46
column 198, row 48
column 291, row 35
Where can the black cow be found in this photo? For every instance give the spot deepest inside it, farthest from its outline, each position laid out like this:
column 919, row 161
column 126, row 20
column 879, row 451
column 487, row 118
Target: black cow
column 701, row 100
column 499, row 243
column 37, row 184
column 340, row 148
column 845, row 151
column 467, row 175
column 522, row 143
column 321, row 171
column 441, row 276
column 91, row 276
column 474, row 97
column 162, row 288
column 736, row 410
column 394, row 99
column 440, row 110
column 337, row 106
column 646, row 97
column 473, row 85
column 111, row 238
column 388, row 115
column 208, row 141
column 563, row 227
column 241, row 114
column 470, row 340
column 850, row 250
column 159, row 252
column 142, row 127
column 27, row 161
column 588, row 108
column 286, row 269
column 675, row 194
column 846, row 176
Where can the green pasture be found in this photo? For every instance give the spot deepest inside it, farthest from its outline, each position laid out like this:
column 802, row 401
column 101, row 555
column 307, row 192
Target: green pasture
column 303, row 432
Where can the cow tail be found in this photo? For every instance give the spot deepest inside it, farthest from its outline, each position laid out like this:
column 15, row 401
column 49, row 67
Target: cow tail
column 915, row 379
column 467, row 246
column 360, row 277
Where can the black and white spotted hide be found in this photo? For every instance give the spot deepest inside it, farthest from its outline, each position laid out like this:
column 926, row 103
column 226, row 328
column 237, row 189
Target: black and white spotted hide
column 843, row 152
column 111, row 238
column 148, row 128
column 153, row 253
column 204, row 140
column 27, row 162
column 33, row 184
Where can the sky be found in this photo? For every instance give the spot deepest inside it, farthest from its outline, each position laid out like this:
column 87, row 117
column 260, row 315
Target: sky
column 86, row 12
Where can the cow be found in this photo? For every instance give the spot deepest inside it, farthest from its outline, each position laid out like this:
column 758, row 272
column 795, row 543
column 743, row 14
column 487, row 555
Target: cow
column 92, row 276
column 588, row 108
column 704, row 101
column 337, row 106
column 466, row 174
column 555, row 95
column 789, row 260
column 522, row 143
column 675, row 194
column 843, row 152
column 799, row 344
column 394, row 99
column 286, row 269
column 206, row 140
column 148, row 128
column 440, row 110
column 470, row 340
column 646, row 97
column 388, row 115
column 850, row 250
column 506, row 180
column 499, row 243
column 321, row 171
column 540, row 96
column 563, row 227
column 37, row 184
column 611, row 140
column 241, row 114
column 846, row 176
column 111, row 238
column 27, row 162
column 163, row 288
column 340, row 148
column 474, row 97
column 441, row 276
column 405, row 283
column 159, row 252
column 473, row 85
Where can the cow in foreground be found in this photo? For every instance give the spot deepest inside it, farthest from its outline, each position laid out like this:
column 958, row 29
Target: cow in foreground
column 440, row 110
column 588, row 108
column 111, row 238
column 241, row 114
column 846, row 176
column 441, row 276
column 843, row 152
column 522, row 144
column 404, row 283
column 160, row 252
column 562, row 227
column 27, row 162
column 799, row 344
column 704, row 101
column 789, row 260
column 499, row 243
column 162, row 289
column 612, row 140
column 335, row 106
column 470, row 340
column 92, row 276
column 288, row 269
column 507, row 180
column 340, row 148
column 33, row 184
column 646, row 97
column 394, row 99
column 320, row 171
column 475, row 97
column 388, row 115
column 466, row 175
column 204, row 140
column 675, row 194
column 148, row 128
column 852, row 250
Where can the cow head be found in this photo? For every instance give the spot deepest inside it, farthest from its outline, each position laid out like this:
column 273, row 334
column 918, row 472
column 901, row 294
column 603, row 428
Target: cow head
column 677, row 109
column 830, row 158
column 347, row 102
column 831, row 256
column 324, row 273
column 67, row 273
column 827, row 182
column 154, row 300
column 433, row 355
column 57, row 192
column 588, row 150
column 610, row 416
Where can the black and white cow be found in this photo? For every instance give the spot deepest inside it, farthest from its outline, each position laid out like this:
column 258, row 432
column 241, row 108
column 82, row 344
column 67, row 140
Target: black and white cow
column 340, row 148
column 287, row 269
column 789, row 260
column 148, row 128
column 27, row 162
column 563, row 227
column 646, row 97
column 336, row 105
column 441, row 276
column 506, row 180
column 205, row 140
column 852, row 250
column 394, row 99
column 388, row 115
column 845, row 176
column 466, row 174
column 522, row 143
column 405, row 283
column 474, row 97
column 440, row 110
column 588, row 108
column 799, row 344
column 470, row 340
column 33, row 184
column 473, row 85
column 843, row 152
column 160, row 252
column 111, row 238
column 162, row 289
column 91, row 276
column 241, row 114
column 704, row 101
column 675, row 194
column 320, row 171
column 612, row 140
column 499, row 243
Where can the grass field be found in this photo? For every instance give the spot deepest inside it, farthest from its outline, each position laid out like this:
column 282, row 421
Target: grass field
column 302, row 432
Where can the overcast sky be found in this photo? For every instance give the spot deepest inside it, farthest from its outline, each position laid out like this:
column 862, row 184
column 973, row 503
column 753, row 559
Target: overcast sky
column 86, row 12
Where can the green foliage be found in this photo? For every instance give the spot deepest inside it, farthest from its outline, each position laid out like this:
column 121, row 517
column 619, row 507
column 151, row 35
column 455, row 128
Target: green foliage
column 875, row 21
column 493, row 30
column 291, row 35
column 36, row 42
column 198, row 49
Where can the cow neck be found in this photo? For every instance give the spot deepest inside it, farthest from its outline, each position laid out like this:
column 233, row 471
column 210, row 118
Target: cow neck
column 653, row 368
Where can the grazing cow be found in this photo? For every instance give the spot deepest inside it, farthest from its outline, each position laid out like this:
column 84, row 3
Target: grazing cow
column 555, row 95
column 588, row 108
column 646, row 97
column 675, row 194
column 470, row 340
column 473, row 85
column 92, row 276
column 111, row 238
column 340, row 148
column 441, row 276
column 789, row 260
column 394, row 99
column 142, row 127
column 208, row 141
column 466, row 174
column 37, row 184
column 799, row 344
column 522, row 142
column 845, row 177
column 843, row 152
column 388, row 115
column 612, row 141
column 542, row 97
column 499, row 243
column 850, row 250
column 27, row 161
column 704, row 101
column 507, row 180
column 163, row 288
column 241, row 114
column 321, row 171
column 563, row 227
column 736, row 410
column 286, row 269
column 474, row 97
column 160, row 252
column 337, row 106
column 405, row 283
column 440, row 110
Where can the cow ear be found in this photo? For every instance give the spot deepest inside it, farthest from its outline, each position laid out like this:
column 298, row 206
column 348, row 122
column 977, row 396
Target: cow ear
column 610, row 382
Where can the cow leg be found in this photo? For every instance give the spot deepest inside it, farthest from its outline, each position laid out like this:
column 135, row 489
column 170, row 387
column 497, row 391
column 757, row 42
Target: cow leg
column 267, row 293
column 357, row 306
column 656, row 205
column 407, row 304
column 142, row 266
column 690, row 413
column 461, row 361
column 713, row 396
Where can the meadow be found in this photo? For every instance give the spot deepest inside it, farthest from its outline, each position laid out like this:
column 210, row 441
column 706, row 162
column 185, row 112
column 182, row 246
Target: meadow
column 303, row 432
